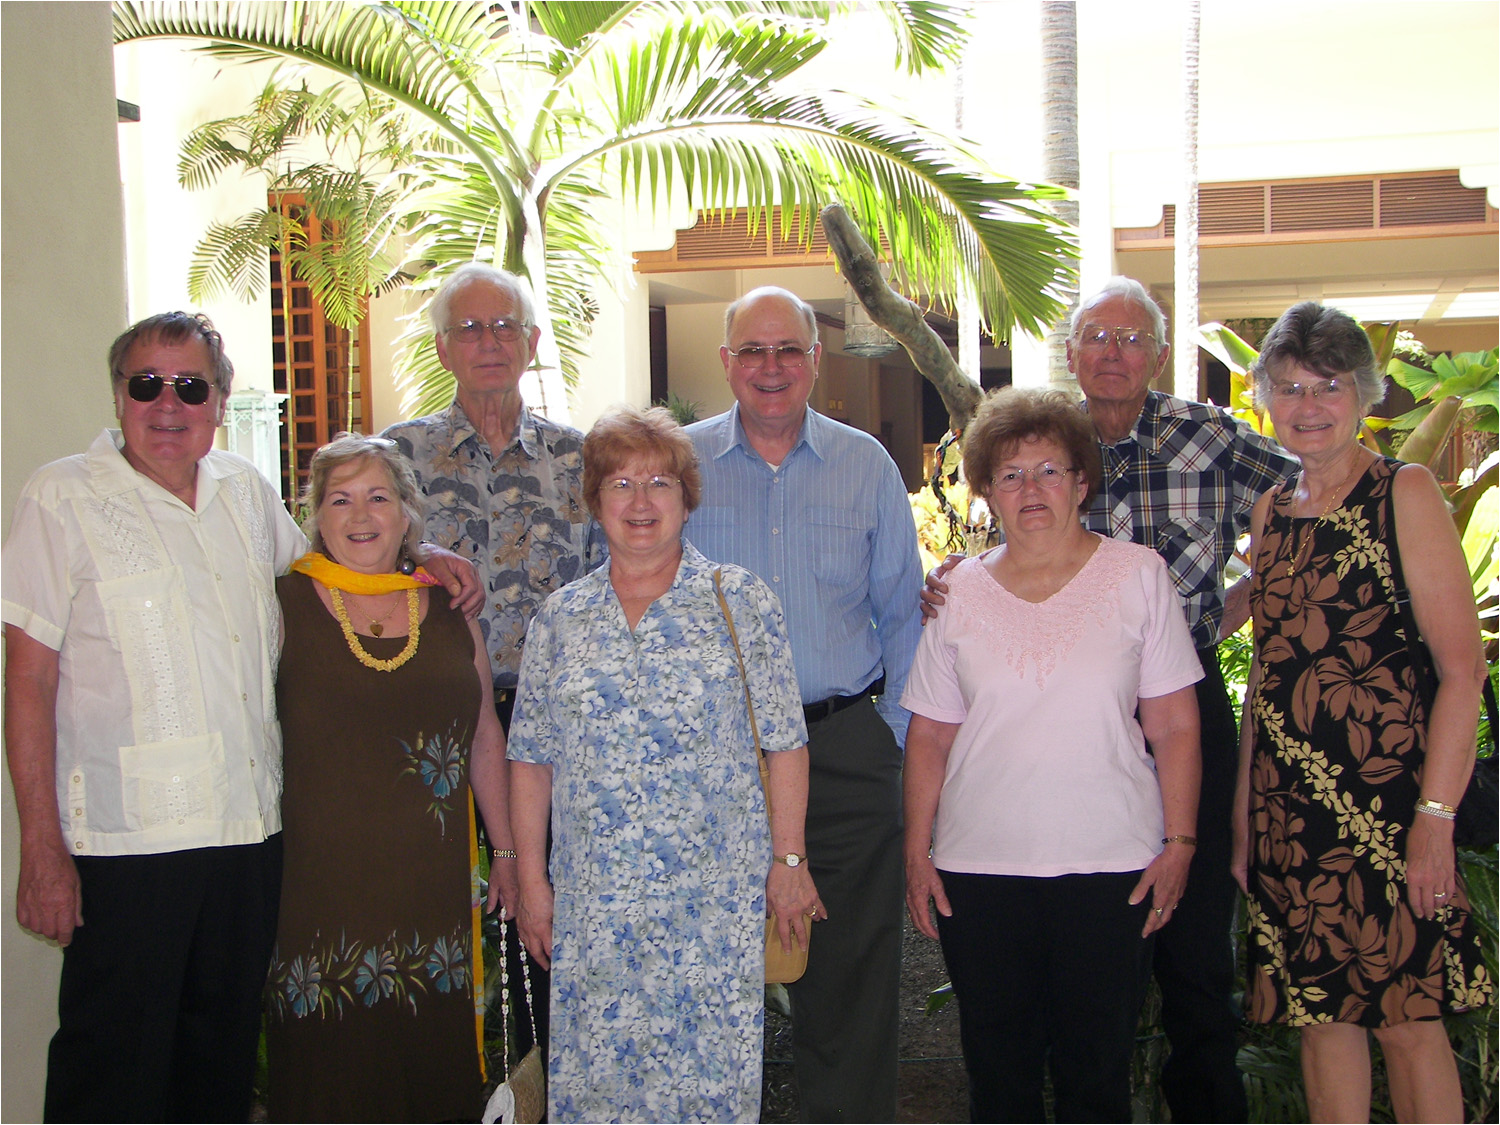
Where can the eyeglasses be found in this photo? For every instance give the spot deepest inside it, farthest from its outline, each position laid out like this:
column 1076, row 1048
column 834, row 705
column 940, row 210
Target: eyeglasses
column 191, row 390
column 1047, row 475
column 1336, row 389
column 755, row 356
column 654, row 487
column 1126, row 339
column 471, row 331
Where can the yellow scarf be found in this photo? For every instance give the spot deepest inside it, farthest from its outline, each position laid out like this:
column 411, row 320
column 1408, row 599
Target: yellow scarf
column 338, row 577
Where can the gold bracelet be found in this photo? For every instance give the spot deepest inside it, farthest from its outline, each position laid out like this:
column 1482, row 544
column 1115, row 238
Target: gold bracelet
column 1190, row 841
column 504, row 853
column 1437, row 809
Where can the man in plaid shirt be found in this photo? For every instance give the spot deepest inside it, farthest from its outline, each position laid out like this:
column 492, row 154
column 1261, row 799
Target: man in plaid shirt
column 1181, row 477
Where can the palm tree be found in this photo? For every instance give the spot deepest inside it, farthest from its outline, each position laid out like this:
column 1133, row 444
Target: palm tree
column 1060, row 150
column 529, row 112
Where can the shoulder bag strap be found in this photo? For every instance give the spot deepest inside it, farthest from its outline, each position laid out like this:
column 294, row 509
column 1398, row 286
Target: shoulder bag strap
column 739, row 658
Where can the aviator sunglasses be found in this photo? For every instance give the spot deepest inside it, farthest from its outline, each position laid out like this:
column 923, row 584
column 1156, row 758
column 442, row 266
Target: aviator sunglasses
column 191, row 390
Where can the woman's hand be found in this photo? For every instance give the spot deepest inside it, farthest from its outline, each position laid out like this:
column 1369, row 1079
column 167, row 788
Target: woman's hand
column 793, row 899
column 1165, row 879
column 534, row 922
column 505, row 888
column 1430, row 880
column 924, row 892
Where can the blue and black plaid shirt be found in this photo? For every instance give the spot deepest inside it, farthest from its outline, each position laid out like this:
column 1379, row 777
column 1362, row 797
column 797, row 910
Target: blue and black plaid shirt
column 1184, row 483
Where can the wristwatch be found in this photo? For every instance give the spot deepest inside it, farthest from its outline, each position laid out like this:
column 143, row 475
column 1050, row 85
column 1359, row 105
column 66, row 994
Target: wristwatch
column 792, row 859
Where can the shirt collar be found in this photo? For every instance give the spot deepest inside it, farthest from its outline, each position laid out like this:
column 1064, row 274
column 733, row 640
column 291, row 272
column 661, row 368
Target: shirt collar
column 462, row 430
column 1147, row 431
column 113, row 475
column 814, row 435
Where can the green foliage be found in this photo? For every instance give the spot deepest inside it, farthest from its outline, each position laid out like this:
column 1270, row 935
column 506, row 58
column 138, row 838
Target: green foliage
column 683, row 410
column 525, row 123
column 1469, row 376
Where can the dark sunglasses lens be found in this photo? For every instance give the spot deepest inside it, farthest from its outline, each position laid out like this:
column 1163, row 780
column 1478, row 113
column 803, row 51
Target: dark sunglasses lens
column 193, row 392
column 147, row 388
column 144, row 388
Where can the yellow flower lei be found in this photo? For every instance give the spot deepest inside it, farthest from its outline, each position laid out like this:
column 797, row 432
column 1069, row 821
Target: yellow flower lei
column 337, row 577
column 414, row 634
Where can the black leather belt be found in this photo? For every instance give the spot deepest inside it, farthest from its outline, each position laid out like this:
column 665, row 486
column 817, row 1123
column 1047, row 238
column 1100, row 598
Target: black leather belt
column 817, row 712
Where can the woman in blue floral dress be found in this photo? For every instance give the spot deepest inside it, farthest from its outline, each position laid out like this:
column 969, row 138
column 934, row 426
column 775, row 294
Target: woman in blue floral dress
column 383, row 694
column 631, row 729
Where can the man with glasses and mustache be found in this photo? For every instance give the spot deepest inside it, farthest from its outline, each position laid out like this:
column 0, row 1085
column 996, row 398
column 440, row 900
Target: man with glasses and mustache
column 141, row 640
column 504, row 489
column 819, row 512
column 1181, row 477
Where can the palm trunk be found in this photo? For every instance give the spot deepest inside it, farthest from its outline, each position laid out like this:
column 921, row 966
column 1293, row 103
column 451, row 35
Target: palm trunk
column 1185, row 283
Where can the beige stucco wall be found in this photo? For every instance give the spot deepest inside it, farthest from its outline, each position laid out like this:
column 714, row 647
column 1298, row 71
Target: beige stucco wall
column 63, row 302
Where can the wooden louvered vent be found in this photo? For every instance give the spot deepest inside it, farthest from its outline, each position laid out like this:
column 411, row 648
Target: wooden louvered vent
column 725, row 242
column 1294, row 210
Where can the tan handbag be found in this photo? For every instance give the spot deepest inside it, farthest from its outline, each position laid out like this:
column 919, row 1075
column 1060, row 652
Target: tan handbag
column 781, row 967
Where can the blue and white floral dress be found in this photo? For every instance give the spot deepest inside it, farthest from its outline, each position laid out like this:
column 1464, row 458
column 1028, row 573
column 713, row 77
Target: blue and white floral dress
column 370, row 1002
column 660, row 843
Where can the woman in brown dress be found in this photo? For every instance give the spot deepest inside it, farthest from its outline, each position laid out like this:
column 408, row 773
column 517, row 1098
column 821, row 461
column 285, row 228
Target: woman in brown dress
column 375, row 994
column 1343, row 829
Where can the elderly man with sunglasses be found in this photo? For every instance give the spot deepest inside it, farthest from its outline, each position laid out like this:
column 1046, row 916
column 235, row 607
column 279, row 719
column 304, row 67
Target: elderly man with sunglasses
column 141, row 640
column 819, row 512
column 504, row 487
column 1181, row 477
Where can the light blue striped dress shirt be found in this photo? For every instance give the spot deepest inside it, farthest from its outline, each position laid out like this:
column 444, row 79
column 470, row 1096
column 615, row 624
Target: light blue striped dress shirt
column 831, row 532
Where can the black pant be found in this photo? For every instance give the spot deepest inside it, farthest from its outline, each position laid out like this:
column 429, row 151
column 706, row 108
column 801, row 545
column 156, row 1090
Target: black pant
column 1049, row 973
column 160, row 1002
column 1194, row 963
column 845, row 1010
column 541, row 979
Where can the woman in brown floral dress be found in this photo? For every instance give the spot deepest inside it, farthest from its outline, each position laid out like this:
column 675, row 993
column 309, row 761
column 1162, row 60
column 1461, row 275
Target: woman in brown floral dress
column 1343, row 829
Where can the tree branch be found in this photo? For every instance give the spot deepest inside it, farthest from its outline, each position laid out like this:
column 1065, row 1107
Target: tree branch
column 900, row 317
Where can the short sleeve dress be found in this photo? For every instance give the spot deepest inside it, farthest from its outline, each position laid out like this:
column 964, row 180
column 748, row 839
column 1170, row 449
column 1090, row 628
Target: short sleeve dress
column 660, row 844
column 371, row 1007
column 1335, row 777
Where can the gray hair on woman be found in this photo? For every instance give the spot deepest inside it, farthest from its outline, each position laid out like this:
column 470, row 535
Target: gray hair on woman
column 1325, row 341
column 343, row 450
column 467, row 274
column 1131, row 290
column 1011, row 415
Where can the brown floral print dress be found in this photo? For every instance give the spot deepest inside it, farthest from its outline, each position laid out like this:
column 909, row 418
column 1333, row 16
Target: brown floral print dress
column 1336, row 774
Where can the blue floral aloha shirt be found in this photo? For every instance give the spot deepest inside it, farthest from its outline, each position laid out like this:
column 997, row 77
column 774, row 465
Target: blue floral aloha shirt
column 660, row 842
column 518, row 516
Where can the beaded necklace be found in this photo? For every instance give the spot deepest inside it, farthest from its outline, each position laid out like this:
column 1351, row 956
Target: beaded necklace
column 414, row 633
column 1296, row 561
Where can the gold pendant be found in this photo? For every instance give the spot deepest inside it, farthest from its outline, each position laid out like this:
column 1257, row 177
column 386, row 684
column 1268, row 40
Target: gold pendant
column 376, row 628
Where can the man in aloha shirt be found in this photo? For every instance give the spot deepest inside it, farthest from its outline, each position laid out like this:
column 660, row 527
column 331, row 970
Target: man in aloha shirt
column 504, row 487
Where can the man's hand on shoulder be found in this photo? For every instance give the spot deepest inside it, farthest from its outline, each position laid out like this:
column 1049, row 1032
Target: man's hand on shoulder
column 456, row 575
column 934, row 593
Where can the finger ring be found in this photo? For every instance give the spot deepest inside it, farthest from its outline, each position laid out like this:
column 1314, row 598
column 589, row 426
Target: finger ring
column 1443, row 895
column 1158, row 912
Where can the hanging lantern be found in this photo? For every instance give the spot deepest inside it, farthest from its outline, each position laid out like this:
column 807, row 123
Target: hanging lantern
column 862, row 336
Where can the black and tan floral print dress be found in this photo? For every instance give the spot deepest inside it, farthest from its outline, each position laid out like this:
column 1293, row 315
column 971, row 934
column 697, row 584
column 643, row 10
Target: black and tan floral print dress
column 370, row 1002
column 1336, row 774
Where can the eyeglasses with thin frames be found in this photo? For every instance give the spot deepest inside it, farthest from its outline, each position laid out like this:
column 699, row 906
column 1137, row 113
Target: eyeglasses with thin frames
column 756, row 355
column 471, row 331
column 1126, row 339
column 190, row 389
column 1336, row 389
column 1046, row 475
column 654, row 487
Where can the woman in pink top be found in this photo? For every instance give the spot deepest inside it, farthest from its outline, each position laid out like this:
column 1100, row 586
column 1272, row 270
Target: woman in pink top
column 1051, row 774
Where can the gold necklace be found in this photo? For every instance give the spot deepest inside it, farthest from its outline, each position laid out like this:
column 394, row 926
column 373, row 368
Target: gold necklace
column 377, row 624
column 413, row 621
column 1291, row 567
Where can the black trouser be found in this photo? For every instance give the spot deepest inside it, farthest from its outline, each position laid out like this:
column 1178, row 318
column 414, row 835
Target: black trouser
column 541, row 979
column 845, row 1010
column 1049, row 974
column 1194, row 961
column 160, row 1002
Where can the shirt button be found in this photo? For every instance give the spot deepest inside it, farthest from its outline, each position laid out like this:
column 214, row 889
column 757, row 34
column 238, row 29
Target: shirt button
column 776, row 531
column 78, row 845
column 148, row 603
column 244, row 697
column 252, row 762
column 236, row 638
column 77, row 777
column 176, row 777
column 77, row 812
column 776, row 578
column 181, row 820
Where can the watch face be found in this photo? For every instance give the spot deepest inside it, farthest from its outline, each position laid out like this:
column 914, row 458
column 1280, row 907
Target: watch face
column 793, row 860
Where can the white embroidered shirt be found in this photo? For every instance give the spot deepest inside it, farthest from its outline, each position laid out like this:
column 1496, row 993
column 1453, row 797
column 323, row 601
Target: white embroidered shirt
column 167, row 631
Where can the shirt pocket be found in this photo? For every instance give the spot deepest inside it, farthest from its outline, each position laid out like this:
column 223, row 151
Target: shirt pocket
column 1190, row 548
column 173, row 782
column 841, row 539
